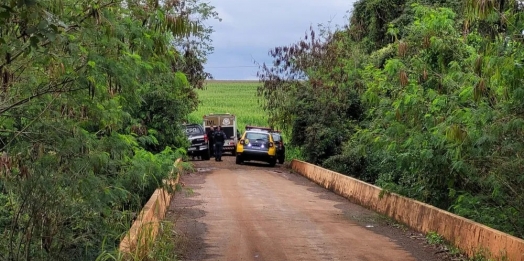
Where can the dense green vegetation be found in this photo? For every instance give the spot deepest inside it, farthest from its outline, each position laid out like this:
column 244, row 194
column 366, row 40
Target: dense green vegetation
column 91, row 97
column 423, row 98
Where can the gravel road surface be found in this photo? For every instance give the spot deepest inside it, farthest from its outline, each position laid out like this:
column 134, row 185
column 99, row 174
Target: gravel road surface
column 255, row 212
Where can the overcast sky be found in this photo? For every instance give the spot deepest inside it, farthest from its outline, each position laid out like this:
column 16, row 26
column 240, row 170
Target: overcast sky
column 249, row 29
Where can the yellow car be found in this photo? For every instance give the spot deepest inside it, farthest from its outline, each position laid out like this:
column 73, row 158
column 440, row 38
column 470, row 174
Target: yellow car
column 256, row 145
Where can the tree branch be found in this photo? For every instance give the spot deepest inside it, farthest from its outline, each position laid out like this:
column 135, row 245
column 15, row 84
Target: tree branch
column 47, row 91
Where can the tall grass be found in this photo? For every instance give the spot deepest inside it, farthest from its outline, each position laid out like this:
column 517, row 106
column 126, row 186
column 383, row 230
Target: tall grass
column 236, row 97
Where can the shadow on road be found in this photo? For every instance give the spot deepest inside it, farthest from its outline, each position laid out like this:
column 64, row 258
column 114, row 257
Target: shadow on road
column 257, row 164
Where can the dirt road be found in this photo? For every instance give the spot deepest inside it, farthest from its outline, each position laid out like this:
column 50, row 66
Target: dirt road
column 255, row 212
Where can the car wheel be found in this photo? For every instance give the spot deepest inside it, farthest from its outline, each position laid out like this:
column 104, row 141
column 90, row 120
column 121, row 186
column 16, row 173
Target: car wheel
column 234, row 152
column 238, row 160
column 205, row 155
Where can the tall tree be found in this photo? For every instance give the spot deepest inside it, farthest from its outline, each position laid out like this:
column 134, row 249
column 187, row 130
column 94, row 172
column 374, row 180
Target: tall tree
column 73, row 168
column 439, row 92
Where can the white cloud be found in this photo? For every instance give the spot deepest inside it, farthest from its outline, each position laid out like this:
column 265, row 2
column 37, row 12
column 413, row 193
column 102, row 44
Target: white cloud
column 249, row 29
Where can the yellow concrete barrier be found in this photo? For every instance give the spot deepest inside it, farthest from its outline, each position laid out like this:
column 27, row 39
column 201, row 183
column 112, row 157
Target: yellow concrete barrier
column 467, row 235
column 137, row 242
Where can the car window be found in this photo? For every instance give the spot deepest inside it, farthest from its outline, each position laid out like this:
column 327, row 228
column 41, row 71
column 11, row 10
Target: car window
column 257, row 136
column 194, row 130
column 276, row 137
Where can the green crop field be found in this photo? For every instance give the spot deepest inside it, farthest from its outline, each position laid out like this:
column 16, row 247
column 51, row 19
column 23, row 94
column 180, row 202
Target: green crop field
column 236, row 97
column 239, row 98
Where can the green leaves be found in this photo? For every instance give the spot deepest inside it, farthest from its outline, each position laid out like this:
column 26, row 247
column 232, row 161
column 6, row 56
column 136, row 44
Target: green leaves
column 441, row 104
column 88, row 121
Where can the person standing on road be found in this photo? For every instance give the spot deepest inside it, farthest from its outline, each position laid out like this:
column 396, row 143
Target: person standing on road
column 210, row 134
column 219, row 138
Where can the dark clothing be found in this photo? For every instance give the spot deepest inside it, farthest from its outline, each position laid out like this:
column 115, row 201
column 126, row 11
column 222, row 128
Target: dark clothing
column 211, row 139
column 218, row 150
column 210, row 136
column 219, row 137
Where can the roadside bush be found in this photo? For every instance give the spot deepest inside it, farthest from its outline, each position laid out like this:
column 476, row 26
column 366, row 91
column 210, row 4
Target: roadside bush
column 346, row 164
column 89, row 116
column 439, row 85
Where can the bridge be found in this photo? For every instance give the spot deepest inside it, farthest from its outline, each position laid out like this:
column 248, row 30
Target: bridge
column 256, row 212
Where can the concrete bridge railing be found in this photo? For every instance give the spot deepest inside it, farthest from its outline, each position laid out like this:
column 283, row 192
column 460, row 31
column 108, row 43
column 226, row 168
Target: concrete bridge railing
column 467, row 235
column 140, row 238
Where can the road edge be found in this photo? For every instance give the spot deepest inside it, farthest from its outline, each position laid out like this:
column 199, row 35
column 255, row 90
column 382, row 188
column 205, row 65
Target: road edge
column 142, row 234
column 469, row 236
